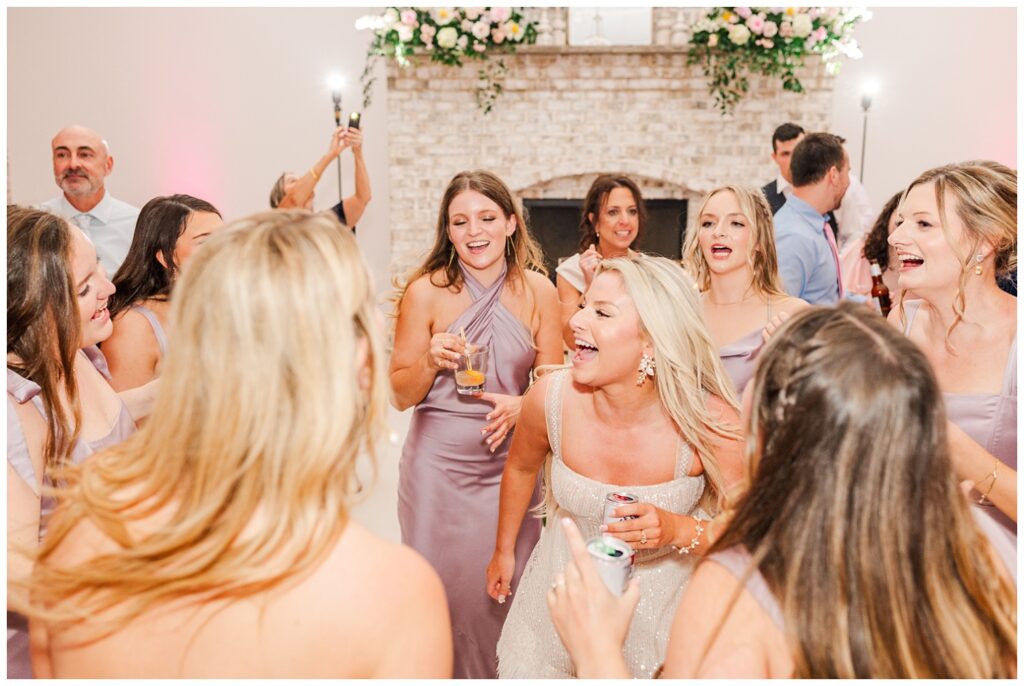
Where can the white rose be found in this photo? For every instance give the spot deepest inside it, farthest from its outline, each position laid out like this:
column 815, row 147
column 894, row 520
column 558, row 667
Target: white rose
column 447, row 37
column 391, row 16
column 442, row 15
column 466, row 25
column 462, row 42
column 802, row 26
column 739, row 34
column 472, row 13
column 405, row 33
column 713, row 40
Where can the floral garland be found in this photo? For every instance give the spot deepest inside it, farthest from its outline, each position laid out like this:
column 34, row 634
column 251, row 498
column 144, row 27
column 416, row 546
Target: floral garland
column 449, row 35
column 731, row 42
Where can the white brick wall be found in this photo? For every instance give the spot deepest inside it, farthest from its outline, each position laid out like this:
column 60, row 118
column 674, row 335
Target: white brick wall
column 568, row 114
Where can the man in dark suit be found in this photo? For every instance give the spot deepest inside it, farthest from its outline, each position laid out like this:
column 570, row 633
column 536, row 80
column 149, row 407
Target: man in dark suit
column 784, row 139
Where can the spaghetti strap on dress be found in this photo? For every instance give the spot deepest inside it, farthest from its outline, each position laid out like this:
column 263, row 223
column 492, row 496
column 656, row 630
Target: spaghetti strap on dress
column 158, row 329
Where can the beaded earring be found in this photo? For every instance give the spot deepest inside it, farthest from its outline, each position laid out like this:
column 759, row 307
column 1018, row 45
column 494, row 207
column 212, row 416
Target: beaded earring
column 977, row 267
column 646, row 369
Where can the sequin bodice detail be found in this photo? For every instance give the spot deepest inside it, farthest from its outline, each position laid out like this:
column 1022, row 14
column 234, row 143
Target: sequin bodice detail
column 529, row 646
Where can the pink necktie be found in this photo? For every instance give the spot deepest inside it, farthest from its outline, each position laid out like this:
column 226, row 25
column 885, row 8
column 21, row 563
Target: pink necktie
column 835, row 255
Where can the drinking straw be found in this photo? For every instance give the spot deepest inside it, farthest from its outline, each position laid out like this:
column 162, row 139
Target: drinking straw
column 469, row 360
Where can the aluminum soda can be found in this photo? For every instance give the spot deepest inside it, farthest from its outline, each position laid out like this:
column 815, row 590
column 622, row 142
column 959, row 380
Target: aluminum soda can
column 614, row 561
column 614, row 500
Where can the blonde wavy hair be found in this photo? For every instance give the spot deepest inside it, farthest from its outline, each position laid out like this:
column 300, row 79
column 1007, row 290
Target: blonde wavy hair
column 252, row 443
column 762, row 258
column 986, row 204
column 854, row 516
column 686, row 361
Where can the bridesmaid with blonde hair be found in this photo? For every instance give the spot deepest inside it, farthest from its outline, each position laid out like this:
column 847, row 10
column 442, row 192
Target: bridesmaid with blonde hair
column 730, row 252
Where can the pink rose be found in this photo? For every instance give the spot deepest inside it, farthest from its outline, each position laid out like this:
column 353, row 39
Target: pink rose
column 479, row 47
column 500, row 14
column 427, row 31
column 466, row 25
column 744, row 12
column 755, row 24
column 770, row 29
column 810, row 42
column 498, row 36
column 481, row 30
column 409, row 17
column 821, row 34
column 786, row 30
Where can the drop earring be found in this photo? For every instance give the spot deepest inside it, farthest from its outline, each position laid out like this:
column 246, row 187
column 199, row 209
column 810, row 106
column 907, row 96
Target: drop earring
column 646, row 369
column 977, row 266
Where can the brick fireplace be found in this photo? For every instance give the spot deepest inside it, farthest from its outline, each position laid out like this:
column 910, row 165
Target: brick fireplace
column 570, row 113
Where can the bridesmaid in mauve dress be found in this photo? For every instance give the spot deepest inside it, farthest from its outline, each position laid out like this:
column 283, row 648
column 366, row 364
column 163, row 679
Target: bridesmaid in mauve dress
column 951, row 256
column 479, row 280
column 731, row 255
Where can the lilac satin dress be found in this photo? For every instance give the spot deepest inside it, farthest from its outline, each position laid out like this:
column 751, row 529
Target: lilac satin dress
column 990, row 419
column 740, row 359
column 449, row 481
column 20, row 391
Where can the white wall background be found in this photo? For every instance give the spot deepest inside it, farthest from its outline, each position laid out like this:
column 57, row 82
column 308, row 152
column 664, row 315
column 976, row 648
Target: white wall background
column 217, row 102
column 211, row 102
column 948, row 92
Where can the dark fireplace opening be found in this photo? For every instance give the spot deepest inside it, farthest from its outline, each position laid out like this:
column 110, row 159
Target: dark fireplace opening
column 555, row 226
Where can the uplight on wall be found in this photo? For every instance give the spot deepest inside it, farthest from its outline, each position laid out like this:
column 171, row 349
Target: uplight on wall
column 868, row 91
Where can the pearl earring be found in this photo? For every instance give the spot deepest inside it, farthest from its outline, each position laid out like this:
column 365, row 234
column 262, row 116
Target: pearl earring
column 646, row 369
column 977, row 267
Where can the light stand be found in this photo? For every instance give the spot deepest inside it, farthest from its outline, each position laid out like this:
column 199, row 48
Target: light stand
column 336, row 97
column 865, row 104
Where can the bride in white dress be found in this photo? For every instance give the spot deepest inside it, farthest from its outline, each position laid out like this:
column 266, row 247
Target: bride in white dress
column 646, row 408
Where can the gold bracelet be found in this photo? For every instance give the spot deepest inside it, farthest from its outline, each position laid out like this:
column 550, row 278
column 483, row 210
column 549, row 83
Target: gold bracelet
column 312, row 172
column 994, row 476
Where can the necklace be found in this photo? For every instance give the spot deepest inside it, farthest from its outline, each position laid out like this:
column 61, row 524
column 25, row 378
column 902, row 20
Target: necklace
column 734, row 302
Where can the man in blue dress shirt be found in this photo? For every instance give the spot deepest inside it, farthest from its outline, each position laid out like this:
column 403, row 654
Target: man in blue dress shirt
column 806, row 245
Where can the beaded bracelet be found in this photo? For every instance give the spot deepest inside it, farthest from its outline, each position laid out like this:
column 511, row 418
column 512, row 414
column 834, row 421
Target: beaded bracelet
column 694, row 542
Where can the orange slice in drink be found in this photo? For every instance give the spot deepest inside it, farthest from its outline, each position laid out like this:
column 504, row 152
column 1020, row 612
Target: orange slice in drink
column 470, row 377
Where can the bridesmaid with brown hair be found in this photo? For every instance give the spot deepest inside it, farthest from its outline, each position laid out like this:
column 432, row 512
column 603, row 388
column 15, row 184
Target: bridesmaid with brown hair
column 481, row 284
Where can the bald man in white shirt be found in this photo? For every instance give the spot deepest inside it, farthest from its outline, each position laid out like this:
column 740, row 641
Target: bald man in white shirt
column 81, row 164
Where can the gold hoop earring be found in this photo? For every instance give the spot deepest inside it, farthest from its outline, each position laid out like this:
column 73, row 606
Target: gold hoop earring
column 510, row 247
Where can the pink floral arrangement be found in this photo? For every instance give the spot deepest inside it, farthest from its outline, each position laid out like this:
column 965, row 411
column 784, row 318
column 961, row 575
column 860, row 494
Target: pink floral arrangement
column 731, row 42
column 449, row 35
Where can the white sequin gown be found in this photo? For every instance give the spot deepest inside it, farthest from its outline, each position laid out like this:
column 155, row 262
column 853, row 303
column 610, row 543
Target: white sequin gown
column 529, row 647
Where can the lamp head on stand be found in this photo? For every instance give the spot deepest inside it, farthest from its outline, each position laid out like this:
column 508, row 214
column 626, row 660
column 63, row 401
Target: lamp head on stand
column 335, row 83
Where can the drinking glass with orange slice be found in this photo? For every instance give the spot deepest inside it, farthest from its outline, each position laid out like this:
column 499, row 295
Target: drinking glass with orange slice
column 472, row 371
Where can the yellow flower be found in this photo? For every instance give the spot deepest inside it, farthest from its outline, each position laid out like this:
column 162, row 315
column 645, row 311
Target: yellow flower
column 726, row 16
column 790, row 11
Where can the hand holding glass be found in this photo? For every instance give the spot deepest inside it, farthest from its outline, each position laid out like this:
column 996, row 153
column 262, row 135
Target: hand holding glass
column 472, row 370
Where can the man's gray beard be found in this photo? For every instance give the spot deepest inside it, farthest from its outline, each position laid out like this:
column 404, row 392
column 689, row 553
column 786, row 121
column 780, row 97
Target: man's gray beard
column 79, row 191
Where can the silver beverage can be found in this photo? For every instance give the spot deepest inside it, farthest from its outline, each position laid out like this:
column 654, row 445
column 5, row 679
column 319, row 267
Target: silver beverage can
column 614, row 561
column 614, row 500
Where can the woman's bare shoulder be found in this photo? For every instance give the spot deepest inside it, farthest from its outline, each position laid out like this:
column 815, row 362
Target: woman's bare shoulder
column 790, row 304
